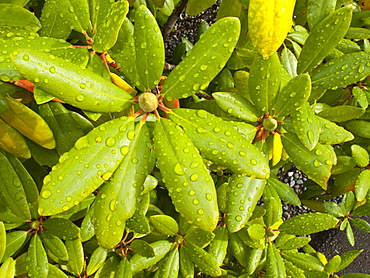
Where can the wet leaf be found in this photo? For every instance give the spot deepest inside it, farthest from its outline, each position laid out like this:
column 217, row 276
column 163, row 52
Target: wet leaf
column 359, row 127
column 14, row 15
column 349, row 234
column 195, row 7
column 360, row 96
column 116, row 201
column 110, row 141
column 348, row 258
column 199, row 237
column 14, row 241
column 221, row 143
column 329, row 32
column 61, row 227
column 319, row 10
column 218, row 246
column 96, row 260
column 109, row 267
column 293, row 95
column 361, row 224
column 274, row 262
column 55, row 272
column 285, row 192
column 242, row 196
column 2, row 240
column 76, row 255
column 37, row 261
column 54, row 245
column 170, row 265
column 264, row 82
column 186, row 265
column 308, row 223
column 294, row 243
column 188, row 181
column 7, row 269
column 360, row 155
column 362, row 185
column 107, row 29
column 292, row 270
column 289, row 61
column 340, row 113
column 67, row 81
column 211, row 53
column 164, row 224
column 316, row 164
column 332, row 133
column 342, row 71
column 12, row 142
column 142, row 248
column 124, row 269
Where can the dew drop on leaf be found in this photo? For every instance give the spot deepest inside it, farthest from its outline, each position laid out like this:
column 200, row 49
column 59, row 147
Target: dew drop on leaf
column 179, row 169
column 46, row 194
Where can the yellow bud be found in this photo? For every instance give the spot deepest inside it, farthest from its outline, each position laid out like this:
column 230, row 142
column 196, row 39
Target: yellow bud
column 148, row 102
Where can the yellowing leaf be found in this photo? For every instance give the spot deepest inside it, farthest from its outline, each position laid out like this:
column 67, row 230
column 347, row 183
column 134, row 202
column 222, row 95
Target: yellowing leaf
column 269, row 23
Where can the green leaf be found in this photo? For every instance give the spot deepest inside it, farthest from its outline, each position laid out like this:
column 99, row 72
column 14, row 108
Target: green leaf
column 124, row 269
column 362, row 185
column 221, row 143
column 289, row 61
column 274, row 263
column 292, row 270
column 139, row 263
column 13, row 15
column 294, row 243
column 98, row 12
column 319, row 10
column 333, row 209
column 7, row 269
column 361, row 224
column 204, row 261
column 186, row 265
column 239, row 249
column 55, row 272
column 316, row 164
column 37, row 261
column 195, row 7
column 243, row 193
column 349, row 234
column 199, row 237
column 308, row 223
column 110, row 141
column 272, row 205
column 342, row 71
column 218, row 246
column 207, row 58
column 332, row 133
column 306, row 126
column 285, row 192
column 14, row 241
column 2, row 240
column 65, row 129
column 54, row 245
column 348, row 258
column 67, row 81
column 107, row 30
column 256, row 231
column 359, row 127
column 76, row 255
column 97, row 259
column 149, row 184
column 329, row 32
column 360, row 155
column 149, row 48
column 188, row 181
column 237, row 106
column 87, row 226
column 164, row 224
column 293, row 95
column 12, row 190
column 142, row 248
column 139, row 223
column 355, row 275
column 61, row 227
column 360, row 96
column 109, row 267
column 303, row 261
column 117, row 198
column 333, row 264
column 170, row 265
column 264, row 82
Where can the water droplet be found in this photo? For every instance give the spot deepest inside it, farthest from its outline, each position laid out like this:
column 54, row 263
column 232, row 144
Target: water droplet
column 131, row 134
column 69, row 198
column 179, row 169
column 318, row 152
column 82, row 85
column 253, row 162
column 46, row 194
column 110, row 141
column 80, row 98
column 317, row 163
column 209, row 197
column 203, row 67
column 194, row 177
column 134, row 160
column 310, row 135
column 82, row 143
column 238, row 218
column 124, row 150
column 201, row 114
column 65, row 208
column 194, row 165
column 200, row 211
column 182, row 78
column 26, row 57
column 192, row 192
column 113, row 205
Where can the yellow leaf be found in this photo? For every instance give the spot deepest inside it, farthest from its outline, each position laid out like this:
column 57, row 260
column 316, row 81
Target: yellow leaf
column 277, row 149
column 269, row 23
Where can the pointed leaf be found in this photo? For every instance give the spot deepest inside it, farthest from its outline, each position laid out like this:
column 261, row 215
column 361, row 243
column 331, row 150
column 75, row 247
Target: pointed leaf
column 117, row 198
column 14, row 241
column 37, row 261
column 316, row 164
column 76, row 255
column 110, row 141
column 285, row 192
column 218, row 246
column 360, row 155
column 54, row 245
column 362, row 185
column 186, row 265
column 7, row 269
column 96, row 260
column 12, row 190
column 164, row 224
column 188, row 181
column 61, row 227
column 332, row 133
column 318, row 10
column 361, row 224
column 221, row 143
column 333, row 209
column 68, row 82
column 274, row 263
column 199, row 237
column 139, row 223
column 303, row 261
column 109, row 267
column 341, row 113
column 170, row 265
column 292, row 270
column 293, row 95
column 306, row 126
column 142, row 248
column 360, row 96
column 308, row 223
column 107, row 30
column 55, row 272
column 243, row 193
column 124, row 269
column 329, row 32
column 264, row 82
column 149, row 48
column 204, row 261
column 139, row 263
column 237, row 106
column 195, row 7
column 12, row 142
column 14, row 15
column 2, row 240
column 269, row 23
column 295, row 243
column 289, row 61
column 204, row 61
column 342, row 71
column 359, row 127
column 349, row 234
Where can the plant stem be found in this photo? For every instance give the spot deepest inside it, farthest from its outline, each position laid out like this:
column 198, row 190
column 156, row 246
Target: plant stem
column 173, row 18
